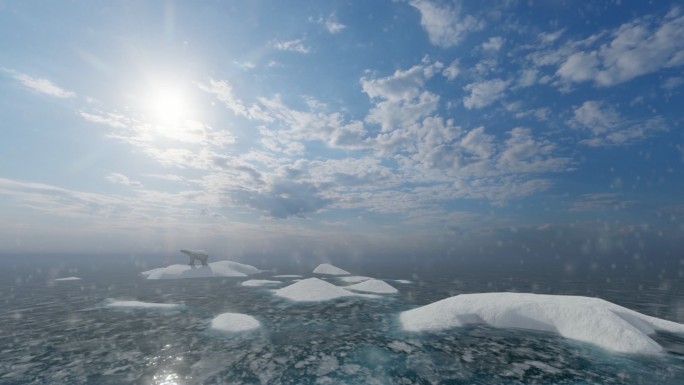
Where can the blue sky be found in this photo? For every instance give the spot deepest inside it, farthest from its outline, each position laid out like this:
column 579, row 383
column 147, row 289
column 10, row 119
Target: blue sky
column 342, row 127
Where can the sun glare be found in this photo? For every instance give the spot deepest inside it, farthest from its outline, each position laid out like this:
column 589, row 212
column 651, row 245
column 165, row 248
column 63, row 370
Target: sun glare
column 167, row 104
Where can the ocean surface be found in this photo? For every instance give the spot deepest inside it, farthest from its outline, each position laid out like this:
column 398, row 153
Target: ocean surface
column 60, row 332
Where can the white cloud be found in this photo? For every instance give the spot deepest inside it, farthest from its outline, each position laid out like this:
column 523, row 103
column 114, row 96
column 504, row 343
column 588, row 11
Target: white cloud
column 528, row 77
column 402, row 85
column 484, row 93
column 637, row 48
column 494, row 44
column 522, row 153
column 43, row 86
column 119, row 178
column 333, row 26
column 283, row 199
column 550, row 37
column 296, row 45
column 452, row 71
column 600, row 202
column 607, row 127
column 673, row 82
column 445, row 25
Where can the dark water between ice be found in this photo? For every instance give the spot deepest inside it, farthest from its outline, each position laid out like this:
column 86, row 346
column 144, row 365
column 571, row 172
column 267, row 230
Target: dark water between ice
column 58, row 333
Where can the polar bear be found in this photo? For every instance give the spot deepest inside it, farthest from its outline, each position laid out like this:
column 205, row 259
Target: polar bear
column 196, row 254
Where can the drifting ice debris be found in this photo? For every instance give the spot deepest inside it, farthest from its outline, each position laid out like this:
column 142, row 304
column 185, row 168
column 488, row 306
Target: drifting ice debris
column 312, row 290
column 68, row 279
column 328, row 269
column 214, row 269
column 585, row 319
column 115, row 303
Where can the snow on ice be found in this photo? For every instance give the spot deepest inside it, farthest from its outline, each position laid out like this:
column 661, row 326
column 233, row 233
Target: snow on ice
column 374, row 286
column 214, row 269
column 328, row 269
column 311, row 290
column 585, row 319
column 234, row 322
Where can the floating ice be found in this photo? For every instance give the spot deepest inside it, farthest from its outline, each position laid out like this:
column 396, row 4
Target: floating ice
column 214, row 269
column 234, row 322
column 115, row 303
column 328, row 269
column 375, row 286
column 312, row 289
column 260, row 282
column 591, row 320
column 404, row 281
column 354, row 279
column 287, row 276
column 68, row 279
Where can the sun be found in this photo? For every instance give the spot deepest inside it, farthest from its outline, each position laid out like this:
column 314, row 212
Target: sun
column 166, row 103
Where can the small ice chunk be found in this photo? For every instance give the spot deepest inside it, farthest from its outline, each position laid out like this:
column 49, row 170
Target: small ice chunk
column 260, row 282
column 312, row 289
column 214, row 269
column 404, row 281
column 68, row 279
column 287, row 276
column 115, row 303
column 234, row 322
column 328, row 269
column 585, row 319
column 354, row 279
column 374, row 286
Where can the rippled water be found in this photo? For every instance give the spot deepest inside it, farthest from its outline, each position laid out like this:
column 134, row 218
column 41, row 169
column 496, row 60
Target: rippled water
column 59, row 333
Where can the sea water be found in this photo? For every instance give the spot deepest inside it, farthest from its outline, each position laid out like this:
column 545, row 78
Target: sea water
column 63, row 333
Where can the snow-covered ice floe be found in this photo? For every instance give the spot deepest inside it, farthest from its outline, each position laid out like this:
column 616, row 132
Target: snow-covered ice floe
column 585, row 319
column 127, row 304
column 68, row 279
column 354, row 279
column 234, row 322
column 312, row 290
column 260, row 282
column 328, row 269
column 214, row 269
column 374, row 286
column 287, row 276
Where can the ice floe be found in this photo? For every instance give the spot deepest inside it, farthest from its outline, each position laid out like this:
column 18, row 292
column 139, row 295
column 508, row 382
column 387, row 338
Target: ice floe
column 328, row 269
column 260, row 282
column 128, row 304
column 234, row 322
column 214, row 269
column 354, row 279
column 68, row 279
column 374, row 286
column 287, row 276
column 585, row 319
column 311, row 290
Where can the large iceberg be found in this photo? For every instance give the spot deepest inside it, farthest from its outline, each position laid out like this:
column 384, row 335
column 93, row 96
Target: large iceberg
column 311, row 290
column 128, row 304
column 585, row 319
column 374, row 286
column 328, row 269
column 234, row 322
column 214, row 269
